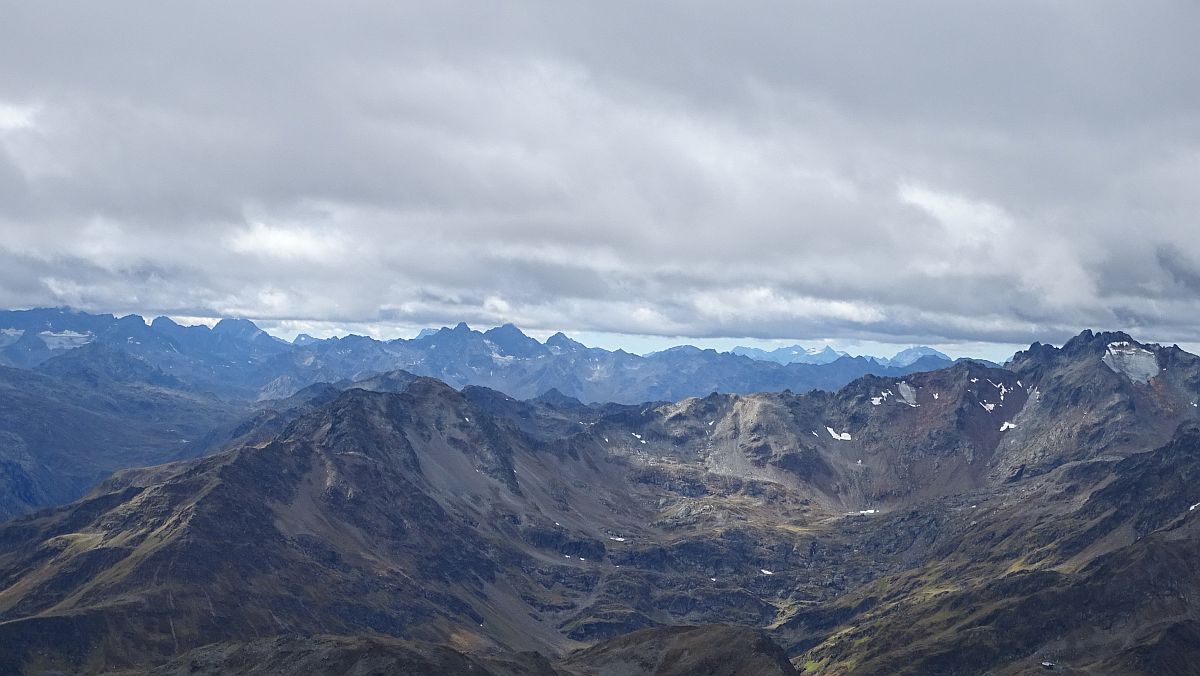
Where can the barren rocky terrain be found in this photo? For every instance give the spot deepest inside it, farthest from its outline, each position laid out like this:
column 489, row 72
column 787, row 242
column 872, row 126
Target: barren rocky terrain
column 965, row 520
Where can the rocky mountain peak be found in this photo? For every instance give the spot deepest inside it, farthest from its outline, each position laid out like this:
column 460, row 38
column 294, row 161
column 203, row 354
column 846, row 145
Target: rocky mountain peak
column 560, row 343
column 163, row 323
column 240, row 328
column 554, row 397
column 512, row 342
column 1095, row 342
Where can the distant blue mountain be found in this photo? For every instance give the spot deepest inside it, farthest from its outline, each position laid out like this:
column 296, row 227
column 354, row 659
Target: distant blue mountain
column 798, row 354
column 906, row 357
column 795, row 354
column 237, row 360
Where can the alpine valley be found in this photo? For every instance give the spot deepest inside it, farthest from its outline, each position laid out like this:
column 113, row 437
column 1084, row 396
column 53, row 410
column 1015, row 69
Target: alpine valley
column 186, row 500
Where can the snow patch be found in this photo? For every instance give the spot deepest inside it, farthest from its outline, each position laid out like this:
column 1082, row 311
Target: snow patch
column 986, row 405
column 1007, row 426
column 502, row 359
column 844, row 436
column 66, row 340
column 764, row 571
column 1134, row 362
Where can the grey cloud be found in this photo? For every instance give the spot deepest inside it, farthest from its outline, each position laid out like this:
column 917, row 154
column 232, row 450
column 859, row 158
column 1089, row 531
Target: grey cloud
column 1183, row 271
column 940, row 171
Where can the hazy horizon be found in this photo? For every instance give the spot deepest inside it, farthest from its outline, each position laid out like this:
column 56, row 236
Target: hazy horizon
column 636, row 344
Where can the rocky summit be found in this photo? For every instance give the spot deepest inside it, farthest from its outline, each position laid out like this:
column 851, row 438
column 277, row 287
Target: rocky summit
column 971, row 519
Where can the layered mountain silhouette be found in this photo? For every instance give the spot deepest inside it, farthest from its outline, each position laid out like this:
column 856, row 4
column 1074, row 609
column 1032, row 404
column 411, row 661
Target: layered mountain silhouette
column 969, row 519
column 798, row 354
column 115, row 392
column 235, row 360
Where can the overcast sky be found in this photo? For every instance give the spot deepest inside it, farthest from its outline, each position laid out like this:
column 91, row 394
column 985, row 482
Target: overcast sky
column 937, row 172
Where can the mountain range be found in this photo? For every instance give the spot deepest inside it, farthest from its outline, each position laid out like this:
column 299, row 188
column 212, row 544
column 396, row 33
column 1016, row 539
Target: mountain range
column 798, row 354
column 235, row 360
column 967, row 519
column 87, row 394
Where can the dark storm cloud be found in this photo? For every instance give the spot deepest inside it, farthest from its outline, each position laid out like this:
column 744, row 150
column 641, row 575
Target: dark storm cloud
column 932, row 171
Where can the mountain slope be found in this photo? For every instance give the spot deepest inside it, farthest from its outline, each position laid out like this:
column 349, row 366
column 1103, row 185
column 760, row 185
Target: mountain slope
column 87, row 413
column 423, row 515
column 1099, row 574
column 879, row 529
column 669, row 651
column 682, row 651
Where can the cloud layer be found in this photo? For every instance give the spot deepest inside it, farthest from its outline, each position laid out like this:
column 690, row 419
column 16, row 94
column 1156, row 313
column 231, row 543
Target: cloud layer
column 925, row 171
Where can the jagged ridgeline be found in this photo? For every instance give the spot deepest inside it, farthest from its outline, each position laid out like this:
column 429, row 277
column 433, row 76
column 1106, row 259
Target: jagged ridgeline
column 83, row 395
column 969, row 519
column 235, row 360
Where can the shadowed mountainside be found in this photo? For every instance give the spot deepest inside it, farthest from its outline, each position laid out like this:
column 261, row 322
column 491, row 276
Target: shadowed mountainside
column 84, row 414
